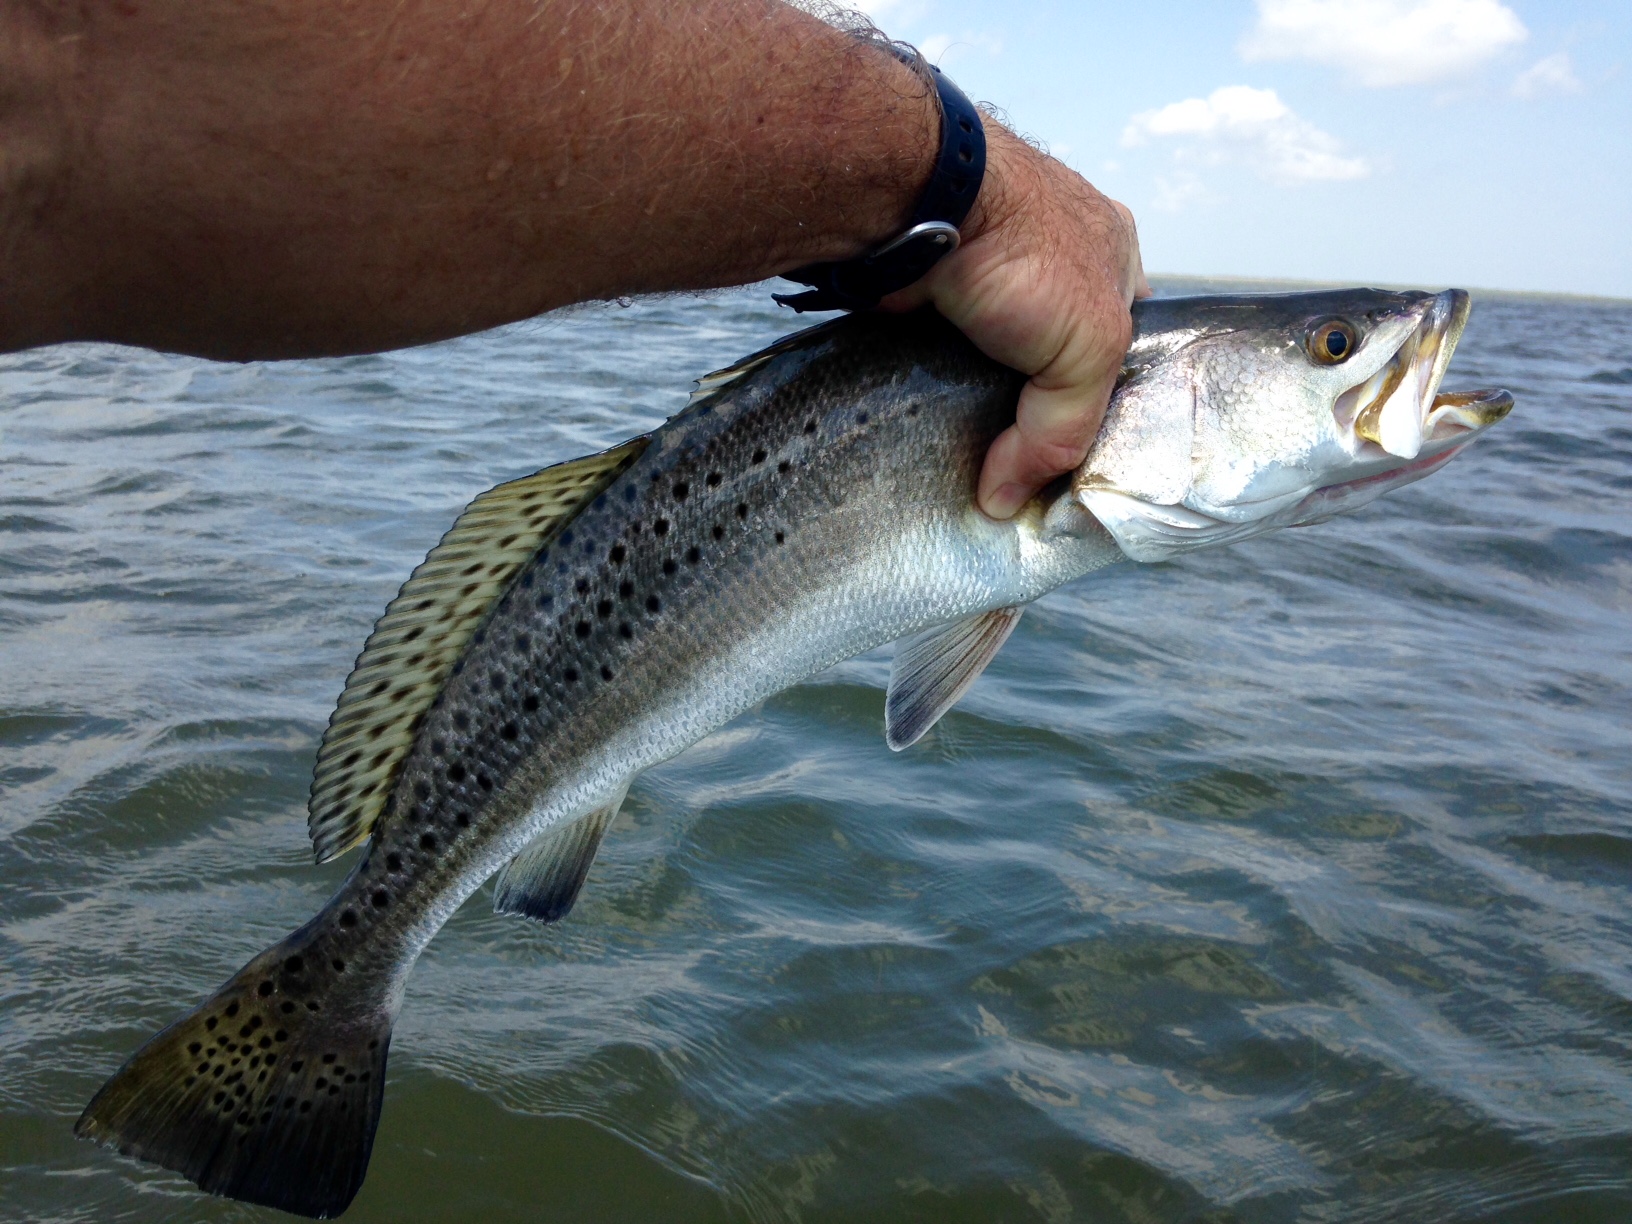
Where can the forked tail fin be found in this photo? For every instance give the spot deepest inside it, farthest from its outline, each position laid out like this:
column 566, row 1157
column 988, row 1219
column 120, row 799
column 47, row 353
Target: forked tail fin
column 268, row 1092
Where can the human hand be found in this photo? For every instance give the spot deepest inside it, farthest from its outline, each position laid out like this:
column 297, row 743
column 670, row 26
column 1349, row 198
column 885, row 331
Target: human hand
column 1042, row 282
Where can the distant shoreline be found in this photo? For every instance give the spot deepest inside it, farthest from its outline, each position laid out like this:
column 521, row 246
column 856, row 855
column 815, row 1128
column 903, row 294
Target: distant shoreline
column 1263, row 284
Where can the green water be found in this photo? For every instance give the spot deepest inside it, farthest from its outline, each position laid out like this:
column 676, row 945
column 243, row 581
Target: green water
column 1286, row 882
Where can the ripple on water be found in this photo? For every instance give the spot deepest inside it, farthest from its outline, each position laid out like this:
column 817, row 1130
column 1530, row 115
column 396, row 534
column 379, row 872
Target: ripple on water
column 1282, row 883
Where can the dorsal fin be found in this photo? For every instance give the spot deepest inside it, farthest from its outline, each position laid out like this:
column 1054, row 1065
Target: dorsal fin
column 544, row 880
column 710, row 383
column 931, row 670
column 425, row 629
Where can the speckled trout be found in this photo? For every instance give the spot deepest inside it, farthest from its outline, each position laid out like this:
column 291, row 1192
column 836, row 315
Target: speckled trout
column 580, row 625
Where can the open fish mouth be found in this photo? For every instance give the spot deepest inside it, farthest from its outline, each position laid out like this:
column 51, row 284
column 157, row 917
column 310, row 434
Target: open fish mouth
column 1400, row 412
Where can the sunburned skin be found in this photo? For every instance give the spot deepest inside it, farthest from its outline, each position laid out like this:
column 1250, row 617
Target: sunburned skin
column 584, row 624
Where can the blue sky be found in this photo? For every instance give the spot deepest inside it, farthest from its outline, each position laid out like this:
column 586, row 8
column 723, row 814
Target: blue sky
column 1482, row 143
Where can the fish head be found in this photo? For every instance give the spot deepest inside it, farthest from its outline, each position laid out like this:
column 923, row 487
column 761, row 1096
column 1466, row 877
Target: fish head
column 1237, row 415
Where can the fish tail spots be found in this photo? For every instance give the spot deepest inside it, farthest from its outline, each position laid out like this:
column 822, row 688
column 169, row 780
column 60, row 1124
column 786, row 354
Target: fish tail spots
column 268, row 1092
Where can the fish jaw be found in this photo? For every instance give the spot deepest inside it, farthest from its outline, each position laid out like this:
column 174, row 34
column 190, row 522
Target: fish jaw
column 1453, row 420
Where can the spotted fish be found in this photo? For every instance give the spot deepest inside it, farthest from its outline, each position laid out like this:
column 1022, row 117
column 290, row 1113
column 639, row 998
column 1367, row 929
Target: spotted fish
column 585, row 623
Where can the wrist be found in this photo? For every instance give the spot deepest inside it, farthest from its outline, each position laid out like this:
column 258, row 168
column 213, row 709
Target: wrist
column 931, row 232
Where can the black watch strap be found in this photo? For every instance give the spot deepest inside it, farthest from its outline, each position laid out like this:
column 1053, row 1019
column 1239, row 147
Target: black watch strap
column 859, row 284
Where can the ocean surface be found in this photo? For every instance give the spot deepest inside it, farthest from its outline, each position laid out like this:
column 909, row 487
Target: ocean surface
column 1287, row 882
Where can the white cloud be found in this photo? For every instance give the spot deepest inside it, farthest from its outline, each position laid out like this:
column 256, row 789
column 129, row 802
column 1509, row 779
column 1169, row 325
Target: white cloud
column 1242, row 124
column 1386, row 42
column 1552, row 75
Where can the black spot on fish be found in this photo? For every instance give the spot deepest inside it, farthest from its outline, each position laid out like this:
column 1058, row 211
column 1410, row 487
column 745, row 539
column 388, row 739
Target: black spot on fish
column 779, row 537
column 783, row 467
column 509, row 731
column 570, row 675
column 606, row 672
column 427, row 841
column 545, row 601
column 742, row 510
column 423, row 788
column 861, row 418
column 348, row 918
column 719, row 532
column 714, row 479
column 661, row 527
column 462, row 819
column 530, row 702
column 693, row 555
column 681, row 488
column 393, row 862
column 460, row 720
column 625, row 631
column 583, row 586
column 380, row 898
column 264, row 989
column 456, row 772
column 912, row 409
column 523, row 642
column 759, row 456
column 438, row 747
column 653, row 603
column 232, row 1010
column 810, row 426
column 581, row 629
column 339, row 966
column 604, row 608
column 669, row 566
column 617, row 554
column 626, row 589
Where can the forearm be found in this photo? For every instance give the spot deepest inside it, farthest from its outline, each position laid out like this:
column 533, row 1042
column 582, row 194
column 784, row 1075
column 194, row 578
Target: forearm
column 302, row 176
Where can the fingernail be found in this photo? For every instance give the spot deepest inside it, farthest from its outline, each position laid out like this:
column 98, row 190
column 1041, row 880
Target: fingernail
column 1006, row 499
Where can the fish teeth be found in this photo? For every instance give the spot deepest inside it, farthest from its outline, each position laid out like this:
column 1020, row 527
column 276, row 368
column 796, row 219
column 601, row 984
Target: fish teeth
column 1399, row 427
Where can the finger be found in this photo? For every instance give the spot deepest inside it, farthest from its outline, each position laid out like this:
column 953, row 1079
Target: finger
column 1051, row 434
column 1134, row 279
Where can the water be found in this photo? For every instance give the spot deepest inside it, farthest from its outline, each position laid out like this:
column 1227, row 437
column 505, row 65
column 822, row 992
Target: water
column 1286, row 882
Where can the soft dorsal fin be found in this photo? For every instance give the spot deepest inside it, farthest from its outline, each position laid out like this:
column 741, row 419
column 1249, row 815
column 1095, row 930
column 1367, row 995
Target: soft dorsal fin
column 544, row 880
column 425, row 629
column 710, row 383
column 933, row 669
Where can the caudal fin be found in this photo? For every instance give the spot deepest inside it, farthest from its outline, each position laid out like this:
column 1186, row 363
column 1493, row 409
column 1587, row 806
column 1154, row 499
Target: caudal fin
column 268, row 1092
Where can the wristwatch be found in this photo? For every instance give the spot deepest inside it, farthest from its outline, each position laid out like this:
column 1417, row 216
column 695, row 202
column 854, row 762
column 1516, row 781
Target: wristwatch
column 932, row 233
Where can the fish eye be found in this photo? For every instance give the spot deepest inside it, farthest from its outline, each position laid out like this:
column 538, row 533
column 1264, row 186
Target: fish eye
column 1332, row 342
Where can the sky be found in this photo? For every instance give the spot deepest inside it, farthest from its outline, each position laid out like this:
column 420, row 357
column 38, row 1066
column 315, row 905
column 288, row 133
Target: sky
column 1470, row 143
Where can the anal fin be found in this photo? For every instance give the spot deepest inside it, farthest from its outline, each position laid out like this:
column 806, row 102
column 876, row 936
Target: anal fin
column 931, row 670
column 544, row 880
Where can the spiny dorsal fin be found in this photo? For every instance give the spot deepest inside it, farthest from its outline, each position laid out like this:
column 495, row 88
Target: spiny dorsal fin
column 933, row 669
column 544, row 880
column 710, row 383
column 425, row 629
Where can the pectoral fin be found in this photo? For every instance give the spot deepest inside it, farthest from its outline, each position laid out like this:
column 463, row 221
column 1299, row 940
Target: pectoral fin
column 544, row 880
column 934, row 668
